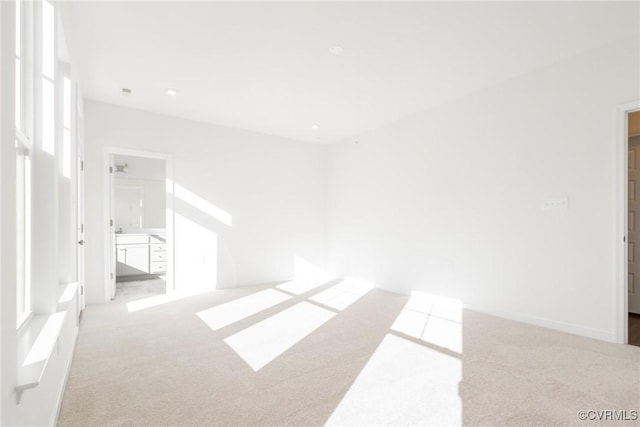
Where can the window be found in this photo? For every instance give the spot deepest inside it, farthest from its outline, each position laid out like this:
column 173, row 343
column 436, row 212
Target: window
column 48, row 77
column 23, row 231
column 24, row 68
column 18, row 75
column 23, row 145
column 66, row 127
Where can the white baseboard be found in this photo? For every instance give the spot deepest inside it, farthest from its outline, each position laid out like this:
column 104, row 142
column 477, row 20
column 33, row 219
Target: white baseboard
column 570, row 328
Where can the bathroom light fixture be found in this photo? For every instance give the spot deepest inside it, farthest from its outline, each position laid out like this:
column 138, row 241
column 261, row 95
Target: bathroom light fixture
column 171, row 92
column 315, row 126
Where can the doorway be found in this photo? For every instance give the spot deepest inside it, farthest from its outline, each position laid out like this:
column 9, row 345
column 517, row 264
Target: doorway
column 633, row 228
column 627, row 222
column 139, row 229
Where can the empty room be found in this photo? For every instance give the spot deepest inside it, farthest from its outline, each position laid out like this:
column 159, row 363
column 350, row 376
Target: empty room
column 319, row 213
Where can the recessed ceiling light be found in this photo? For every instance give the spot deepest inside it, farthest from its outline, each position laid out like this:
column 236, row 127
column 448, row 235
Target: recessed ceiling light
column 126, row 91
column 171, row 92
column 315, row 126
column 335, row 50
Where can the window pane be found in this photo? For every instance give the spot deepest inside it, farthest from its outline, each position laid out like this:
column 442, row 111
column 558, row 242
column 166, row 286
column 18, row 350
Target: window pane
column 48, row 116
column 48, row 39
column 66, row 153
column 18, row 27
column 66, row 91
column 18, row 97
column 23, row 233
column 20, row 237
column 27, row 232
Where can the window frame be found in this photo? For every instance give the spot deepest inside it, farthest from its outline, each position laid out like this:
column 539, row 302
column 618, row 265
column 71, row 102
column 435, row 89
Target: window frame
column 24, row 185
column 24, row 130
column 26, row 59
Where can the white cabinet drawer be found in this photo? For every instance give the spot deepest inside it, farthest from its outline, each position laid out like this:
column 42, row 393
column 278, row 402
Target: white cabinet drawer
column 131, row 240
column 158, row 247
column 158, row 267
column 158, row 256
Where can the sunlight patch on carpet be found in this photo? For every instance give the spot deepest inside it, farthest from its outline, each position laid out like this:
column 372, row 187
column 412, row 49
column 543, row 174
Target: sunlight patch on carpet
column 434, row 319
column 157, row 300
column 299, row 286
column 403, row 383
column 343, row 294
column 260, row 344
column 233, row 311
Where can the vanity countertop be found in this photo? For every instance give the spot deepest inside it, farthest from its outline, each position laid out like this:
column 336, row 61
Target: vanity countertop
column 140, row 237
column 148, row 232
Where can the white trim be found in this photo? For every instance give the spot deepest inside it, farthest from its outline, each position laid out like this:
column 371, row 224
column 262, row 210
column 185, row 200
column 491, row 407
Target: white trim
column 106, row 217
column 24, row 139
column 565, row 327
column 22, row 320
column 620, row 212
column 67, row 371
column 108, row 152
column 569, row 328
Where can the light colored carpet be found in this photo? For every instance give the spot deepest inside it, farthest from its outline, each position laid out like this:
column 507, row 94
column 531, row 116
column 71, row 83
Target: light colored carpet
column 140, row 288
column 373, row 362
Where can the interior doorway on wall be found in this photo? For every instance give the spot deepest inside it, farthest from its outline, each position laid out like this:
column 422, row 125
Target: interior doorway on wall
column 633, row 228
column 138, row 235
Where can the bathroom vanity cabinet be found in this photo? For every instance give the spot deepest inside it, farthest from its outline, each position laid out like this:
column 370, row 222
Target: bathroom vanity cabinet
column 140, row 255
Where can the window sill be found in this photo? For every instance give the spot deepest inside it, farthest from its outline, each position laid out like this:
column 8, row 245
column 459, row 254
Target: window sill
column 22, row 321
column 37, row 341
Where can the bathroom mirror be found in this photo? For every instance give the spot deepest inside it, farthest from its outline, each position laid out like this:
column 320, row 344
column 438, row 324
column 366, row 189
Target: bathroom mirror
column 129, row 207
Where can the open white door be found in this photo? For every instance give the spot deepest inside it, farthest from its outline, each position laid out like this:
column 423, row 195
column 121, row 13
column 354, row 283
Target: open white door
column 633, row 226
column 80, row 230
column 78, row 152
column 111, row 238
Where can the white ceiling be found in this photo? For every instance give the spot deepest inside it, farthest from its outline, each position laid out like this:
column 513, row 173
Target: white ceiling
column 266, row 66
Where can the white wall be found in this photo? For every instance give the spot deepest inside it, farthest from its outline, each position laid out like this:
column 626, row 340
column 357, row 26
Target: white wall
column 7, row 212
column 3, row 135
column 450, row 200
column 141, row 167
column 273, row 189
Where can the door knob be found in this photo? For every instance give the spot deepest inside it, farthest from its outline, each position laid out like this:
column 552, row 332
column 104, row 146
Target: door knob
column 81, row 242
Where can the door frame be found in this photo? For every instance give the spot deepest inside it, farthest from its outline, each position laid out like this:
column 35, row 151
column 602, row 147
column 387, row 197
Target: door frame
column 108, row 257
column 621, row 264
